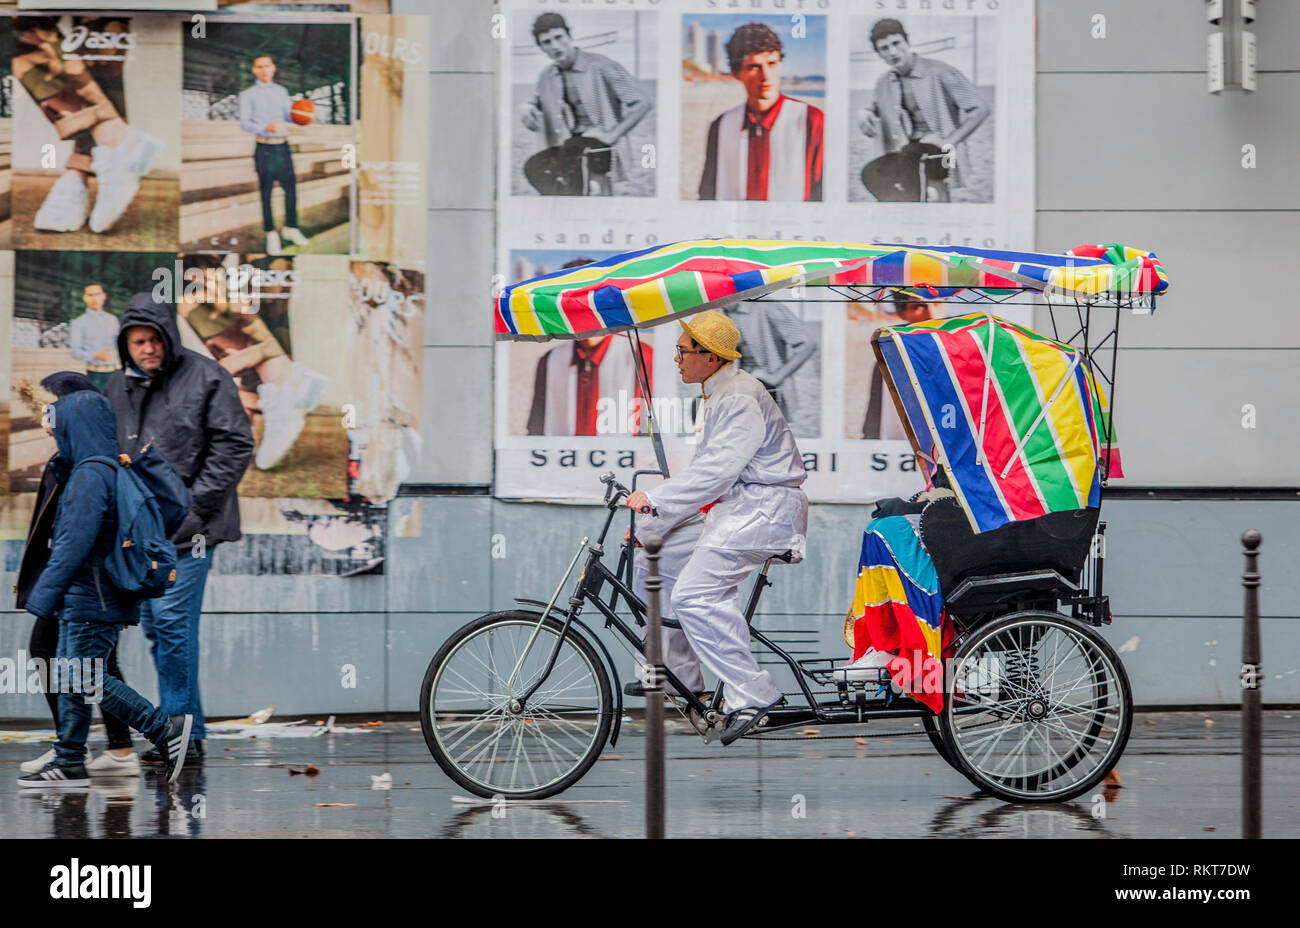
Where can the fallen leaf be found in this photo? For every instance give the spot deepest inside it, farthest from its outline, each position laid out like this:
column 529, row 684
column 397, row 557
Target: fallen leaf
column 809, row 732
column 311, row 771
column 1209, row 722
column 1112, row 779
column 1210, row 828
column 373, row 724
column 334, row 805
column 861, row 741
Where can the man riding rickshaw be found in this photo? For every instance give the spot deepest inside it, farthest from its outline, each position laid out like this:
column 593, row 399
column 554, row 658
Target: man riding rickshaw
column 977, row 601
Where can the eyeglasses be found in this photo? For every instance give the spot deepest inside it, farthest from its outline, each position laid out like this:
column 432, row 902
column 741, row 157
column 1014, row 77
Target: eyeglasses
column 681, row 351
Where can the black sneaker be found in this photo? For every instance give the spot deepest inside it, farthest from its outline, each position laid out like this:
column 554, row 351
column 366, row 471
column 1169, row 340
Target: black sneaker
column 52, row 774
column 743, row 721
column 175, row 745
column 153, row 757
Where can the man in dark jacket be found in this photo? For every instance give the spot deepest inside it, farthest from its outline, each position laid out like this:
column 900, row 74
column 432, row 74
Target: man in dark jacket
column 187, row 405
column 91, row 610
column 119, row 759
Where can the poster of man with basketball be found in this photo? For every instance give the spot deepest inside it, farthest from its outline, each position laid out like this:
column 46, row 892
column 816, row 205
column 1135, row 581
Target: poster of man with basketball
column 264, row 112
column 269, row 137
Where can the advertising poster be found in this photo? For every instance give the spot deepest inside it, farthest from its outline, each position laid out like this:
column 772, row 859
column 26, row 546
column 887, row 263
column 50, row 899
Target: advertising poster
column 65, row 318
column 331, row 537
column 215, row 162
column 839, row 123
column 96, row 154
column 268, row 138
column 392, row 202
column 7, row 87
column 387, row 367
column 6, row 336
column 583, row 102
column 279, row 326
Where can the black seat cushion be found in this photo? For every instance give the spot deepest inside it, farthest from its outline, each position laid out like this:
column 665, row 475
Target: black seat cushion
column 1057, row 541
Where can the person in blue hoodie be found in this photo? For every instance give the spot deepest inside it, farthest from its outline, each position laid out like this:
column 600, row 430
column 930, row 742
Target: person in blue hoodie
column 91, row 611
column 119, row 759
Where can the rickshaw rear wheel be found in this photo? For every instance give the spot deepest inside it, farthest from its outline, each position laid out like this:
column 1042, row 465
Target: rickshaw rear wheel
column 1039, row 709
column 481, row 731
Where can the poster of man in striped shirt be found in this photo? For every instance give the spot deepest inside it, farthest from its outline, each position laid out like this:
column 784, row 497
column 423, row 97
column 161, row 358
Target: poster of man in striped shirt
column 768, row 146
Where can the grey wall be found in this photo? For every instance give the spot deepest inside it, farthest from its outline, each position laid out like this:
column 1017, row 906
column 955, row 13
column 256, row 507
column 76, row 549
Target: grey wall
column 1130, row 148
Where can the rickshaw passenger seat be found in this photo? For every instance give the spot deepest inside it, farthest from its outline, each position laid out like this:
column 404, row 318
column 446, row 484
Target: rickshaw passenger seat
column 1058, row 541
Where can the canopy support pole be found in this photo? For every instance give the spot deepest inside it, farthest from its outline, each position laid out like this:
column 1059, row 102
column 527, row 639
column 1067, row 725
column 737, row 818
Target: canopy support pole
column 638, row 359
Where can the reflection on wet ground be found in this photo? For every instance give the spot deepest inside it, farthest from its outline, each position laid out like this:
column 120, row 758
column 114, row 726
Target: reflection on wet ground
column 1180, row 778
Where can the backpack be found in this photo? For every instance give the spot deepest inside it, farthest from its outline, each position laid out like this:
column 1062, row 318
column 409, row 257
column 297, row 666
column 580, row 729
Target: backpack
column 152, row 501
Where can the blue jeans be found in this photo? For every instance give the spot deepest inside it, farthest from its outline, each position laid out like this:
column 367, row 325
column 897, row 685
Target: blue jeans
column 171, row 623
column 94, row 641
column 275, row 163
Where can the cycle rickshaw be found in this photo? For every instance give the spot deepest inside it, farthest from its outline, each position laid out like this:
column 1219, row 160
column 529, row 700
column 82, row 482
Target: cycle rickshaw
column 1038, row 706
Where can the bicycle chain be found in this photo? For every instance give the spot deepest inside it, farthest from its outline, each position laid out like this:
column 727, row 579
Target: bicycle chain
column 820, row 737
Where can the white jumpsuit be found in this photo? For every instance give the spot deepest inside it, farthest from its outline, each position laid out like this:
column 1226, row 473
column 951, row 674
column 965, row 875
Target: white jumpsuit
column 678, row 655
column 747, row 464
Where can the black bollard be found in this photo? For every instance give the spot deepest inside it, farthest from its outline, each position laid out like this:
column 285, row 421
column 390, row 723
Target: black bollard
column 1251, row 678
column 654, row 701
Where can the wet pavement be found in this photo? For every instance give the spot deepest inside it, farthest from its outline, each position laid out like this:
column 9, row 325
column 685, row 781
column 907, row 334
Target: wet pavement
column 1180, row 777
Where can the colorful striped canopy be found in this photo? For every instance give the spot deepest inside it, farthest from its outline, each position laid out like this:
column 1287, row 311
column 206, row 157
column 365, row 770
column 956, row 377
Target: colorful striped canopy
column 1017, row 419
column 657, row 285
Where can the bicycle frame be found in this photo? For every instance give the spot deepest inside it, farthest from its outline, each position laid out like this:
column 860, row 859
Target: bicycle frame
column 590, row 588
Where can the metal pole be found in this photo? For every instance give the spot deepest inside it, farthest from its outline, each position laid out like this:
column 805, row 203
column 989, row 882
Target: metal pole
column 1251, row 677
column 654, row 702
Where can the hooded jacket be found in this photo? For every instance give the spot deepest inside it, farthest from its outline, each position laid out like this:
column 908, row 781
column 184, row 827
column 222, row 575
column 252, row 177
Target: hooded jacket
column 39, row 535
column 190, row 409
column 85, row 525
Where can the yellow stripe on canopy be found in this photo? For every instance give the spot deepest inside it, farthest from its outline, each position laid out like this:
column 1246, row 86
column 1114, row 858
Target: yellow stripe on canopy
column 1073, row 435
column 648, row 300
column 522, row 309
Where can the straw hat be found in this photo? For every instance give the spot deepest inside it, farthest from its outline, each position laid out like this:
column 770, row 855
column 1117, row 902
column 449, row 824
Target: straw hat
column 714, row 331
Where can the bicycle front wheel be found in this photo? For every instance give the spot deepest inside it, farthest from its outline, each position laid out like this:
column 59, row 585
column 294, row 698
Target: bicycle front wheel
column 479, row 729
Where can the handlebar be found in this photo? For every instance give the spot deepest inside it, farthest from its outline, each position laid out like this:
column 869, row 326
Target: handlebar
column 615, row 493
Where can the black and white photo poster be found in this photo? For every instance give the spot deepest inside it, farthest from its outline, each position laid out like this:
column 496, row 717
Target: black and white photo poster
column 903, row 121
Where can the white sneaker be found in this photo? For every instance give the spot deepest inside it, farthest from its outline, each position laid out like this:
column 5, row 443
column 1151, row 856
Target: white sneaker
column 31, row 766
column 284, row 413
column 866, row 667
column 109, row 764
column 293, row 236
column 65, row 207
column 273, row 246
column 118, row 171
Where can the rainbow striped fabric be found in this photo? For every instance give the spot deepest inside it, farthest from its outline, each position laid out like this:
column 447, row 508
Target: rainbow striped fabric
column 1017, row 419
column 897, row 606
column 656, row 285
